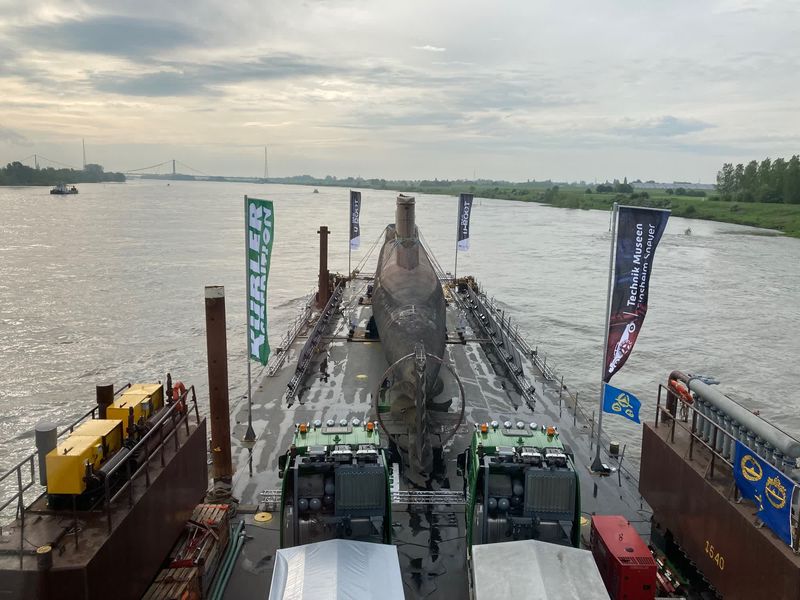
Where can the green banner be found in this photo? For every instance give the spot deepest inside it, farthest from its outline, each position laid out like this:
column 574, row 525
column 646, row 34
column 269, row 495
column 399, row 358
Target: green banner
column 259, row 230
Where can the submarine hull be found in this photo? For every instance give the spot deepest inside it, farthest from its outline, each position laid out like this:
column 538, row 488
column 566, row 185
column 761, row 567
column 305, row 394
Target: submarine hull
column 409, row 308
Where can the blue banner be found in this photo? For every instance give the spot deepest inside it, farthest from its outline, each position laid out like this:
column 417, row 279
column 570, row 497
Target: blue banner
column 622, row 403
column 769, row 489
column 638, row 232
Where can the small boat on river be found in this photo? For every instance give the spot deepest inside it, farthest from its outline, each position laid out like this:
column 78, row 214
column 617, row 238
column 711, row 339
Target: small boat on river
column 63, row 189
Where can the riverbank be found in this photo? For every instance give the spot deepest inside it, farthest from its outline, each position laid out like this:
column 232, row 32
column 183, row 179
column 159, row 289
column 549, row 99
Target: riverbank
column 783, row 218
column 16, row 174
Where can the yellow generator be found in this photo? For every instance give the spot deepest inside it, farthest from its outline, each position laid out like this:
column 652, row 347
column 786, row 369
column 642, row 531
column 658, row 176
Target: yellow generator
column 156, row 390
column 93, row 442
column 79, row 466
column 144, row 398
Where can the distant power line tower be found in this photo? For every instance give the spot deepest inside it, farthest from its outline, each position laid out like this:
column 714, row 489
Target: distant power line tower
column 83, row 143
column 266, row 164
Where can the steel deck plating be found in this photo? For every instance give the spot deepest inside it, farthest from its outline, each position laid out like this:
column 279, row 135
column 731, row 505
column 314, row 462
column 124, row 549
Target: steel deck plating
column 429, row 524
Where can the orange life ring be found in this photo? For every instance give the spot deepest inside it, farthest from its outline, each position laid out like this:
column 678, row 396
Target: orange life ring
column 178, row 396
column 178, row 390
column 681, row 389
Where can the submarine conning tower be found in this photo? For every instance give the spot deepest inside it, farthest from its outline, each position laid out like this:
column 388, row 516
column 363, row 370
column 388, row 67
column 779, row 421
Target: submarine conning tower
column 405, row 217
column 405, row 232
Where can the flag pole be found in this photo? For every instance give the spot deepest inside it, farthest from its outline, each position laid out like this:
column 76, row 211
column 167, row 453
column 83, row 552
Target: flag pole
column 597, row 464
column 250, row 434
column 455, row 268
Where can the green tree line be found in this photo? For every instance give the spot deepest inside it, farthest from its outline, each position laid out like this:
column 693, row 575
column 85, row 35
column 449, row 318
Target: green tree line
column 772, row 181
column 18, row 174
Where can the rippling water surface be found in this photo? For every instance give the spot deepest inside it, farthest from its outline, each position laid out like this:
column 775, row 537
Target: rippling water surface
column 107, row 286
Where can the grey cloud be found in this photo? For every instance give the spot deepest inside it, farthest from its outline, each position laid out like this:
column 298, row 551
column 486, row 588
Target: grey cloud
column 508, row 97
column 716, row 149
column 666, row 126
column 113, row 35
column 12, row 137
column 468, row 89
column 15, row 64
column 185, row 79
column 489, row 133
column 415, row 118
column 6, row 53
column 152, row 84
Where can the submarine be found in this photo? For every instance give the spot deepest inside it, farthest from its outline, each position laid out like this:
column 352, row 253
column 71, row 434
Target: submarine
column 410, row 314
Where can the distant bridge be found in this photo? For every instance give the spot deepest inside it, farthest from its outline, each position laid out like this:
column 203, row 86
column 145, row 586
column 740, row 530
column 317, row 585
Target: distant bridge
column 167, row 169
column 38, row 159
column 162, row 171
column 157, row 169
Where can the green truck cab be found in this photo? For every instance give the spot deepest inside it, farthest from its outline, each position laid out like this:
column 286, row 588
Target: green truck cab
column 335, row 484
column 520, row 483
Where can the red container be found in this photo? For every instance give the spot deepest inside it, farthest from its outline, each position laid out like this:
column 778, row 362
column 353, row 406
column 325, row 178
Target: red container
column 624, row 560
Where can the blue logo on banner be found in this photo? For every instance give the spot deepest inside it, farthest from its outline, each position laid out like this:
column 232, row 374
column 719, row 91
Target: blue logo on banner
column 619, row 402
column 769, row 489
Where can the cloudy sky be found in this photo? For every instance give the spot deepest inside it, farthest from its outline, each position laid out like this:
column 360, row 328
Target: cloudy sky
column 570, row 90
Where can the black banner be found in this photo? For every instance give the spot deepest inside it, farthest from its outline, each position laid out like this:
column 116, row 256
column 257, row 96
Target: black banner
column 638, row 232
column 464, row 210
column 355, row 213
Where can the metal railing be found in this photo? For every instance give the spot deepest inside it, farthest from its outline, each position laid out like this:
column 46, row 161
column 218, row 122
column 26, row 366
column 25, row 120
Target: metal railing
column 149, row 447
column 31, row 465
column 677, row 420
column 419, row 497
column 697, row 425
column 314, row 339
column 152, row 444
column 549, row 374
column 502, row 343
column 703, row 430
column 277, row 359
column 271, row 498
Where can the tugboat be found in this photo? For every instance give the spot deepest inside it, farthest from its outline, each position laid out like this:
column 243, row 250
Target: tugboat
column 62, row 189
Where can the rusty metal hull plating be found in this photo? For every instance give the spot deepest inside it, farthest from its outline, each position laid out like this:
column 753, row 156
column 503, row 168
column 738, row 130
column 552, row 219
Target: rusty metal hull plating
column 696, row 509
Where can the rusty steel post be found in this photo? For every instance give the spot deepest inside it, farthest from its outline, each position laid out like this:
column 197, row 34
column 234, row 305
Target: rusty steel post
column 217, row 345
column 105, row 398
column 324, row 293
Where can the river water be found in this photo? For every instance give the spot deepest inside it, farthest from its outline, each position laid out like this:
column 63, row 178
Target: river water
column 107, row 286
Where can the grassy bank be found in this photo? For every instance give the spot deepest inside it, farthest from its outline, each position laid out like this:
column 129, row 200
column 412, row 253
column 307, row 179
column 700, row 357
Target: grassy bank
column 780, row 217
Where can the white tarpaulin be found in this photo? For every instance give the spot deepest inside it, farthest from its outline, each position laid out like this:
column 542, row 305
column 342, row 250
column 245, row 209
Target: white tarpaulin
column 337, row 570
column 535, row 570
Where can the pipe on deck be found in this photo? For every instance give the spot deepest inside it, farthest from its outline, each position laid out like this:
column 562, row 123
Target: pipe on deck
column 759, row 428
